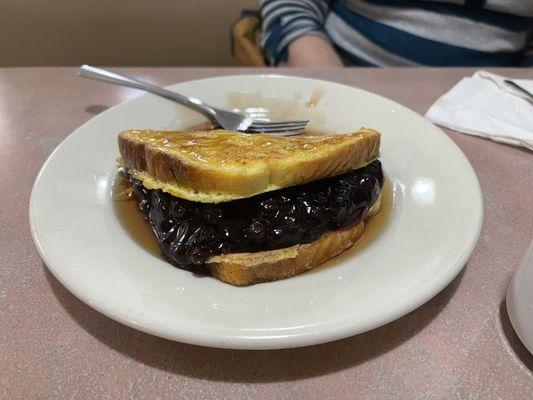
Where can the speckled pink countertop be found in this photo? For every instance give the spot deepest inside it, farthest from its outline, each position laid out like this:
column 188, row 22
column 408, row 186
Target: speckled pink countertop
column 460, row 345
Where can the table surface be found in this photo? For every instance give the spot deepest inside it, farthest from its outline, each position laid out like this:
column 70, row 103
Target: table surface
column 459, row 345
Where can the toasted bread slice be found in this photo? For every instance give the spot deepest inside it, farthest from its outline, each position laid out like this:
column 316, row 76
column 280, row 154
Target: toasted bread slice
column 218, row 166
column 243, row 269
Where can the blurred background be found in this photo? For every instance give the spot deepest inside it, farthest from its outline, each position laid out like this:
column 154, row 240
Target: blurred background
column 295, row 33
column 118, row 32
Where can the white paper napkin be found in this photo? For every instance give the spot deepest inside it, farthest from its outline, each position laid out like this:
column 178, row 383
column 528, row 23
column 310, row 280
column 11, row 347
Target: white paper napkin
column 483, row 105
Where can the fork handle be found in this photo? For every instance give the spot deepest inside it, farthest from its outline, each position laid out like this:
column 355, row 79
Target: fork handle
column 98, row 74
column 519, row 88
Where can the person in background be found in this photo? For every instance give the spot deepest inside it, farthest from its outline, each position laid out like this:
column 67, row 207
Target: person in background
column 331, row 33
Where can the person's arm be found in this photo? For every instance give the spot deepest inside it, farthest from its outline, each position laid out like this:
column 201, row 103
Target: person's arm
column 293, row 33
column 312, row 51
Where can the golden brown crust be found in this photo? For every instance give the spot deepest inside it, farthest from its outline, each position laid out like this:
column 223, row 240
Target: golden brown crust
column 243, row 269
column 217, row 166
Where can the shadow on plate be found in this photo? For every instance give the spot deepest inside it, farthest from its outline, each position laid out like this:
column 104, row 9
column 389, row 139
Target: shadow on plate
column 96, row 109
column 513, row 340
column 250, row 365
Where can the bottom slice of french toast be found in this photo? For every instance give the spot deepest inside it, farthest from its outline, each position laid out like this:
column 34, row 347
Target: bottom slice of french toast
column 243, row 269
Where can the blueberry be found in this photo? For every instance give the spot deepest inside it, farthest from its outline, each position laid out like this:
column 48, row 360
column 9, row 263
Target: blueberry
column 336, row 210
column 255, row 232
column 138, row 189
column 320, row 198
column 178, row 211
column 314, row 217
column 168, row 236
column 269, row 206
column 179, row 254
column 370, row 186
column 194, row 238
column 285, row 198
column 225, row 233
column 276, row 233
column 299, row 210
column 212, row 214
column 207, row 235
column 182, row 230
column 166, row 225
column 156, row 215
column 159, row 200
column 199, row 256
column 144, row 206
column 290, row 224
column 302, row 197
column 223, row 248
column 166, row 231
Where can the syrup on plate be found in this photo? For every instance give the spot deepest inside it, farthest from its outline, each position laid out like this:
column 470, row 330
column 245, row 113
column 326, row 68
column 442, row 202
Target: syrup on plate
column 131, row 219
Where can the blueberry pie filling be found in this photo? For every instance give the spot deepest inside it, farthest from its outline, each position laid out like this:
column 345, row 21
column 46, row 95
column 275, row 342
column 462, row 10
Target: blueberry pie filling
column 189, row 233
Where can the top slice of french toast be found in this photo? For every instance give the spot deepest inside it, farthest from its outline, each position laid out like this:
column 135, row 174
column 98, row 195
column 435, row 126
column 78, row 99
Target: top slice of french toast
column 217, row 166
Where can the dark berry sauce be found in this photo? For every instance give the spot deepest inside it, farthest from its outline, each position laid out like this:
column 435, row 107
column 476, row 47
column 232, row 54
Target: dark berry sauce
column 188, row 233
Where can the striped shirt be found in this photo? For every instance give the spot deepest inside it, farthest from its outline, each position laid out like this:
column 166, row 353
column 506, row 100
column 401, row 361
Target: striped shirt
column 405, row 32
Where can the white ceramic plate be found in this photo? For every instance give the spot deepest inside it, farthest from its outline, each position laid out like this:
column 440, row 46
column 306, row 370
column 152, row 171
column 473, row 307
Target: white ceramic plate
column 432, row 228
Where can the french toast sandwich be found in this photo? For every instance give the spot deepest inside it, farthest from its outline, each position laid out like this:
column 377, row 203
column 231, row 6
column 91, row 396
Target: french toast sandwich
column 253, row 208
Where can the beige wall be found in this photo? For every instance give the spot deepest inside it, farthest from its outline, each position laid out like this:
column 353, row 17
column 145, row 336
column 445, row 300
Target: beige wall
column 118, row 32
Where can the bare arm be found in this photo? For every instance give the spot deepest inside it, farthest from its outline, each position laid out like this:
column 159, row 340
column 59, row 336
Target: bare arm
column 312, row 51
column 293, row 33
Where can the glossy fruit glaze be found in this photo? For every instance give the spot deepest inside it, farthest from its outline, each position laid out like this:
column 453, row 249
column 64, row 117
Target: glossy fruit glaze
column 188, row 233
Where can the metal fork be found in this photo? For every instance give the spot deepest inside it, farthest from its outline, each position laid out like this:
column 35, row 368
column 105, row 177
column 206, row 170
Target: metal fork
column 519, row 88
column 226, row 119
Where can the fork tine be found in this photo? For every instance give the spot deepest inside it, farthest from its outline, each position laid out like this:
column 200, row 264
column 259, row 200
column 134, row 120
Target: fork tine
column 285, row 133
column 276, row 128
column 280, row 132
column 288, row 122
column 258, row 123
